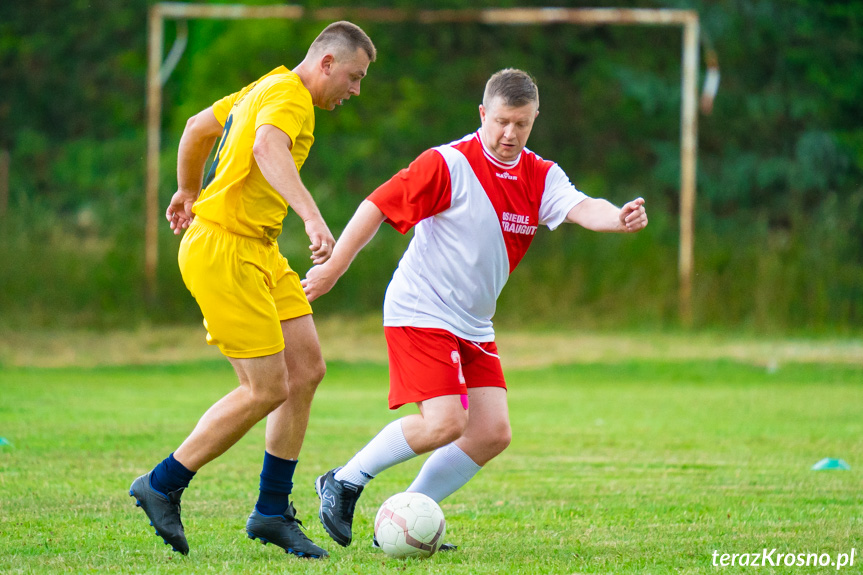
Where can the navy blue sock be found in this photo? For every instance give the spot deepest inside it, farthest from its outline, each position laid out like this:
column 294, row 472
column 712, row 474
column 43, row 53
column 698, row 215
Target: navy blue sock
column 170, row 475
column 276, row 483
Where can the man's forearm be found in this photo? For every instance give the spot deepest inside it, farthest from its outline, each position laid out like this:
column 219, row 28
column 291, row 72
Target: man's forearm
column 196, row 143
column 597, row 215
column 273, row 156
column 191, row 159
column 359, row 232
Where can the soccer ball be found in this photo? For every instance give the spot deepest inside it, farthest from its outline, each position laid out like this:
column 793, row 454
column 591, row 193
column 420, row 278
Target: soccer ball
column 410, row 525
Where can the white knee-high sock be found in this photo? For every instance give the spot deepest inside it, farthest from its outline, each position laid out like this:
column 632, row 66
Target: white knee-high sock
column 388, row 448
column 444, row 472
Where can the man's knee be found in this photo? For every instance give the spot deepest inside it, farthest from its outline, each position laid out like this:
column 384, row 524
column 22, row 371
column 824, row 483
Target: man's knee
column 499, row 438
column 485, row 444
column 305, row 379
column 317, row 373
column 446, row 428
column 271, row 396
column 265, row 378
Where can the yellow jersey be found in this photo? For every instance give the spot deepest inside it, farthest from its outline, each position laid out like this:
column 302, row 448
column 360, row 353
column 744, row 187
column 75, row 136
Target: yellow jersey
column 236, row 195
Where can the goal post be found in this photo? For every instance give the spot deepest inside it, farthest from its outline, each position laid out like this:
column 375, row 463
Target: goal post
column 158, row 72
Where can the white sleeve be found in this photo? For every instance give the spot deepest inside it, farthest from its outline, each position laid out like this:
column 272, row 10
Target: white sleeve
column 559, row 197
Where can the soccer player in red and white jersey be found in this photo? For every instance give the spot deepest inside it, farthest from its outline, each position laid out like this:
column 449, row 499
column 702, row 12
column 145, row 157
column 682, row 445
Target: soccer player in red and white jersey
column 475, row 205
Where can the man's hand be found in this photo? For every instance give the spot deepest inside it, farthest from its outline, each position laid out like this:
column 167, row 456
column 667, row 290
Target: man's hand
column 633, row 217
column 179, row 212
column 318, row 281
column 362, row 228
column 322, row 240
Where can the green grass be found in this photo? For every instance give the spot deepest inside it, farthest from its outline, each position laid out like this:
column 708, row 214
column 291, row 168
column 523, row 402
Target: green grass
column 640, row 467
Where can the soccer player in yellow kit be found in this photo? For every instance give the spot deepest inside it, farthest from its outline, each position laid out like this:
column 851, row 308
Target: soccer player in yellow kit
column 253, row 304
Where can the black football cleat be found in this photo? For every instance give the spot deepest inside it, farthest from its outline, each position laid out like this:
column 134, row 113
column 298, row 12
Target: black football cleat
column 284, row 531
column 163, row 511
column 338, row 501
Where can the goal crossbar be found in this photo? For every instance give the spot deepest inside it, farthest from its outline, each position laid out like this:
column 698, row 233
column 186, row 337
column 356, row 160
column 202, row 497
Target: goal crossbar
column 686, row 19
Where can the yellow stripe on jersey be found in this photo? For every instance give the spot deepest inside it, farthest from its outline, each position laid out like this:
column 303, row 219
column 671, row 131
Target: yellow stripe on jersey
column 236, row 195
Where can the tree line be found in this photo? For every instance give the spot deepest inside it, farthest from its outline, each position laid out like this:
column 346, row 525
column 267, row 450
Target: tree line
column 779, row 227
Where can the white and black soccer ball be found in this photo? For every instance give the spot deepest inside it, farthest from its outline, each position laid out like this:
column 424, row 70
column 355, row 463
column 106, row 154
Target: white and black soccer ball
column 410, row 525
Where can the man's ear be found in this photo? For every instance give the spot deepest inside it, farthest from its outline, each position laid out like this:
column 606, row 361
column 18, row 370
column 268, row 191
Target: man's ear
column 327, row 62
column 481, row 113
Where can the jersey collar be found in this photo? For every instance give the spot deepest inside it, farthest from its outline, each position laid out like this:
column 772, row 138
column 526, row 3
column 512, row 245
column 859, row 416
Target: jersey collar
column 495, row 161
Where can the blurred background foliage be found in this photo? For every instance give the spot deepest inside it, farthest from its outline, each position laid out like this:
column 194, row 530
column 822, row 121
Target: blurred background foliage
column 779, row 228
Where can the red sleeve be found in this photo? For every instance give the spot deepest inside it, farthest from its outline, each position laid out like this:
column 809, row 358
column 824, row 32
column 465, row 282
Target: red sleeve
column 415, row 193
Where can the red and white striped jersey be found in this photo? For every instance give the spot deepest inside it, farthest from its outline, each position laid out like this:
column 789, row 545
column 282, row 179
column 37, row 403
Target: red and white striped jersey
column 475, row 218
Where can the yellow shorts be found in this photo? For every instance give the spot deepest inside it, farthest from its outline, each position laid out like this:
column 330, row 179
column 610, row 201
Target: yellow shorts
column 244, row 287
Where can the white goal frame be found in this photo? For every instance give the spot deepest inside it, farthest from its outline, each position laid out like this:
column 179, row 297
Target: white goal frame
column 158, row 72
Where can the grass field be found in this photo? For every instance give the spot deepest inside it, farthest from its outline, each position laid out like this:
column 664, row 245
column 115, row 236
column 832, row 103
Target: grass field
column 627, row 465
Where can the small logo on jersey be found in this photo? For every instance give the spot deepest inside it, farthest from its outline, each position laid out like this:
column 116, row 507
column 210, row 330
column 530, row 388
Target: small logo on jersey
column 505, row 176
column 517, row 224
